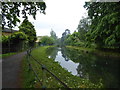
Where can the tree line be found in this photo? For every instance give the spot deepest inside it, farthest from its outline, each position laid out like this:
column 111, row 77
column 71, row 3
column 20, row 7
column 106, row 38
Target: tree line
column 101, row 29
column 20, row 40
column 26, row 36
column 49, row 40
column 10, row 14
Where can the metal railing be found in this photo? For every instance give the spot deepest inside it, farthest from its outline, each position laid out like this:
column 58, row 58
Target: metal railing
column 43, row 68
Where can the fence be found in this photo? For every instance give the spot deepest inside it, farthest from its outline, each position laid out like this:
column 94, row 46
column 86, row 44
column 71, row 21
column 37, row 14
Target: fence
column 13, row 47
column 43, row 68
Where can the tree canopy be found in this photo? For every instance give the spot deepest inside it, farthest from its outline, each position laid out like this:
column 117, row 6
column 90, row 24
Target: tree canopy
column 101, row 29
column 105, row 27
column 53, row 35
column 15, row 42
column 64, row 36
column 11, row 11
column 46, row 40
column 17, row 37
column 29, row 30
column 83, row 28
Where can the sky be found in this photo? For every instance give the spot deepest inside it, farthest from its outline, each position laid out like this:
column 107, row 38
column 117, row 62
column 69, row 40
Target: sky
column 60, row 15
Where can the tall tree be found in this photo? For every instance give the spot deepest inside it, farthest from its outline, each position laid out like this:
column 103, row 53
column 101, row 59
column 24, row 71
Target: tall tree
column 29, row 30
column 105, row 26
column 83, row 28
column 53, row 35
column 11, row 11
column 64, row 36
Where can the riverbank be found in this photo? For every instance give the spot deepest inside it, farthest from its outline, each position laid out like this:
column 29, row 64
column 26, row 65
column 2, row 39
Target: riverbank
column 10, row 54
column 7, row 55
column 50, row 82
column 97, row 52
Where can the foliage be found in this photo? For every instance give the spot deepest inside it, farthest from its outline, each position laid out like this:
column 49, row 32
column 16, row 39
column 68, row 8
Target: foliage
column 4, row 39
column 83, row 28
column 55, row 38
column 29, row 30
column 46, row 40
column 6, row 55
column 64, row 36
column 14, row 38
column 105, row 24
column 74, row 40
column 53, row 35
column 71, row 39
column 11, row 11
column 100, row 30
column 15, row 42
column 17, row 37
column 78, row 38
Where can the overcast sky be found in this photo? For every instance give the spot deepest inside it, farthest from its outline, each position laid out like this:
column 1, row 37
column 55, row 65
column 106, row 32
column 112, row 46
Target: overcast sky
column 60, row 15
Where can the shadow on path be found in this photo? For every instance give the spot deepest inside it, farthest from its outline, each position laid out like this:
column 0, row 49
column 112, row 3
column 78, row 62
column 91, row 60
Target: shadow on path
column 11, row 68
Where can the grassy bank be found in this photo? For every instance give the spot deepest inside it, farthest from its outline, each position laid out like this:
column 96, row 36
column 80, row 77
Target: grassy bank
column 6, row 55
column 97, row 52
column 82, row 48
column 65, row 76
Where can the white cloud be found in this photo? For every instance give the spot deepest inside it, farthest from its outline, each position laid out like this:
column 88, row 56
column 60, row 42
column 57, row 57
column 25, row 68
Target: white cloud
column 60, row 15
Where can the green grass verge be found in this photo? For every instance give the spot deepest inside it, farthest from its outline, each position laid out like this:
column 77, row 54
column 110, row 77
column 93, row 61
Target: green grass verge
column 97, row 52
column 29, row 80
column 81, row 48
column 6, row 55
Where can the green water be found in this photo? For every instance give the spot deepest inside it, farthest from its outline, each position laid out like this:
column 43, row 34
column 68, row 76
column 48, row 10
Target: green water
column 88, row 66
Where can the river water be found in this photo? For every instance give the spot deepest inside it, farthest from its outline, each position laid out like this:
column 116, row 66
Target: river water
column 88, row 66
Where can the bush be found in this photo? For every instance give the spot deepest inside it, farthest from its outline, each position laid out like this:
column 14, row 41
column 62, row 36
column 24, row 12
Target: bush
column 81, row 44
column 18, row 36
column 46, row 40
column 4, row 39
column 13, row 43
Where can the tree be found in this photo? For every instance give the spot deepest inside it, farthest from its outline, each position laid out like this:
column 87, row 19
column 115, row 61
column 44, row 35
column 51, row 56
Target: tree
column 64, row 36
column 55, row 38
column 53, row 35
column 46, row 40
column 105, row 24
column 29, row 30
column 74, row 40
column 83, row 28
column 17, row 37
column 11, row 11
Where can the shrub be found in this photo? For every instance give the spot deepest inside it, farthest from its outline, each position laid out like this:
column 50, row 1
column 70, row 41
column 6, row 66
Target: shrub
column 17, row 36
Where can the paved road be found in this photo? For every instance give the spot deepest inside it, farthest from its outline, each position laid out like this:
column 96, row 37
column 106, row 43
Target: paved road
column 11, row 68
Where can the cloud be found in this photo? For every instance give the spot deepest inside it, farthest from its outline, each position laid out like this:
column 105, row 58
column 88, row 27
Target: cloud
column 60, row 15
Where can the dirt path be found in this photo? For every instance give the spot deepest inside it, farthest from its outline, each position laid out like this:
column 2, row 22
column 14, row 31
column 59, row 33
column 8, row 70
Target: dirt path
column 11, row 68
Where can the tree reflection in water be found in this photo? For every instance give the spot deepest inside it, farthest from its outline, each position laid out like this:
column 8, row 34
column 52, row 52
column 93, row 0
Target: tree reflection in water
column 91, row 67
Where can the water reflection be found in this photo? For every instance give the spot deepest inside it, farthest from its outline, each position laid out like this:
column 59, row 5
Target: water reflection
column 66, row 63
column 88, row 66
column 52, row 52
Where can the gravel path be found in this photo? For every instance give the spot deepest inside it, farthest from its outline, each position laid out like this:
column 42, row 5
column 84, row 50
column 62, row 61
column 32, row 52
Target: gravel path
column 11, row 68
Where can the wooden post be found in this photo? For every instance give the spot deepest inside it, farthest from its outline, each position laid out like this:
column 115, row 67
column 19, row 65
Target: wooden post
column 28, row 59
column 43, row 77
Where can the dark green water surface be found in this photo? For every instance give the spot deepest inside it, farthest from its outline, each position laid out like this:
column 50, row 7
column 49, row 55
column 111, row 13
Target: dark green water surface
column 88, row 66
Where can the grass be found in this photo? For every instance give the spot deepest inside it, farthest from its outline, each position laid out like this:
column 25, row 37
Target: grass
column 6, row 55
column 10, row 54
column 97, row 52
column 29, row 80
column 81, row 48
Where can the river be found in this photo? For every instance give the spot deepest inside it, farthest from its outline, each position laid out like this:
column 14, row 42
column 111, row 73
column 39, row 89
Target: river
column 88, row 66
